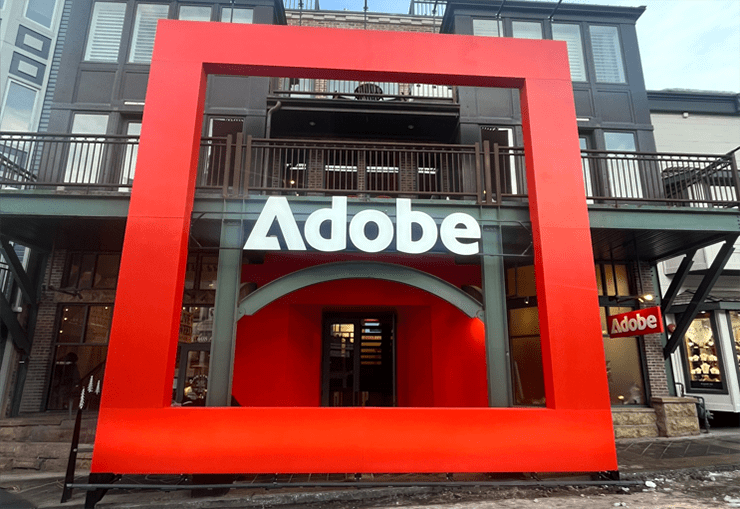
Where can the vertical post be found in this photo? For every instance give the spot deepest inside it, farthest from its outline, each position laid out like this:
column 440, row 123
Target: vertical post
column 734, row 171
column 498, row 362
column 223, row 340
column 227, row 166
column 487, row 171
column 478, row 176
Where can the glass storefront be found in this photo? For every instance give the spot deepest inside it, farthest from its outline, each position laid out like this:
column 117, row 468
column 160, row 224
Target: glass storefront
column 623, row 364
column 702, row 355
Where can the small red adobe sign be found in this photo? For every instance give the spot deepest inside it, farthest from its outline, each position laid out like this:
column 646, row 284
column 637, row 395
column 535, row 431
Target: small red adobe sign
column 635, row 323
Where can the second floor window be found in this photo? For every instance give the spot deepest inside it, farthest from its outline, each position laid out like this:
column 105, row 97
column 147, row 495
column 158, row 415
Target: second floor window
column 526, row 29
column 236, row 15
column 571, row 34
column 41, row 11
column 487, row 27
column 145, row 28
column 195, row 13
column 106, row 27
column 607, row 54
column 17, row 111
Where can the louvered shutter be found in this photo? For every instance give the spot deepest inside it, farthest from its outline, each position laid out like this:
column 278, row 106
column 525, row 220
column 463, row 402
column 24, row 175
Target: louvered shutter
column 607, row 54
column 571, row 34
column 104, row 39
column 145, row 28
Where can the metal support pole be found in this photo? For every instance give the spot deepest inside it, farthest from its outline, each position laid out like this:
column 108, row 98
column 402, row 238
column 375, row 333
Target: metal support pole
column 498, row 357
column 705, row 287
column 677, row 282
column 223, row 340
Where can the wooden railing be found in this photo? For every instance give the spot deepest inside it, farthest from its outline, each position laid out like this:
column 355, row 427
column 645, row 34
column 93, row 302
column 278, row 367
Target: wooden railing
column 490, row 175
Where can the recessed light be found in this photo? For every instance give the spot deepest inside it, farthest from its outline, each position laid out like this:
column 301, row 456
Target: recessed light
column 312, row 123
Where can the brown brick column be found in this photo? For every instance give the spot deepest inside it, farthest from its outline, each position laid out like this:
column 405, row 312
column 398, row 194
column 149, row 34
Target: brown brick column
column 39, row 362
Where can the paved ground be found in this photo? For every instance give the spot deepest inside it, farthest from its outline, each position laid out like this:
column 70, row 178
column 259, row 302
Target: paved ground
column 696, row 472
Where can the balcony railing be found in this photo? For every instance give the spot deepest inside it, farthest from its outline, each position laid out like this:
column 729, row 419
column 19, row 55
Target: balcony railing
column 361, row 91
column 240, row 166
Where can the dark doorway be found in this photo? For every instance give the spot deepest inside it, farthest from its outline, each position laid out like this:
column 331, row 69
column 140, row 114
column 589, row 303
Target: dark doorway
column 503, row 137
column 359, row 360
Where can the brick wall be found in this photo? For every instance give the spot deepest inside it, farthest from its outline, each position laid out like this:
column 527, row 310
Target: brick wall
column 354, row 20
column 652, row 343
column 39, row 363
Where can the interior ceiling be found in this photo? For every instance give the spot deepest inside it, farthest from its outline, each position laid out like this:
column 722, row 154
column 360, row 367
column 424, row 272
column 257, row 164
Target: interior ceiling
column 352, row 119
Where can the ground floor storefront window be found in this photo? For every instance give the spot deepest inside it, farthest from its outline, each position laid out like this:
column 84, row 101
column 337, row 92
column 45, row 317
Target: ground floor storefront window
column 80, row 352
column 623, row 364
column 702, row 355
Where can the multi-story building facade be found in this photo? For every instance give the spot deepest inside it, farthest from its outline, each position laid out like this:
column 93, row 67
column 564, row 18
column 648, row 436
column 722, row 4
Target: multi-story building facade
column 698, row 122
column 446, row 148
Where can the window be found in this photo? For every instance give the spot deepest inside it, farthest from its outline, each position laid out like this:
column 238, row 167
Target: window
column 607, row 54
column 128, row 166
column 571, row 34
column 735, row 327
column 41, row 11
column 85, row 159
column 106, row 27
column 236, row 15
column 194, row 13
column 145, row 28
column 702, row 355
column 91, row 270
column 586, row 165
column 201, row 272
column 526, row 29
column 487, row 27
column 81, row 348
column 17, row 113
column 623, row 171
column 623, row 364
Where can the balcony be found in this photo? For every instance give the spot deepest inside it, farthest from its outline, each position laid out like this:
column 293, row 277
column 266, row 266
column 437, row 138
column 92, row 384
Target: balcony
column 304, row 88
column 236, row 167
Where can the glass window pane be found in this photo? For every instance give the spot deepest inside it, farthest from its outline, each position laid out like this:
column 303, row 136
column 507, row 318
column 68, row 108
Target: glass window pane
column 526, row 29
column 735, row 326
column 571, row 34
column 209, row 273
column 73, row 368
column 704, row 363
column 487, row 27
column 623, row 170
column 41, row 11
column 236, row 15
column 86, row 271
column 624, row 370
column 86, row 153
column 70, row 326
column 145, row 28
column 607, row 54
column 190, row 272
column 73, row 271
column 106, row 273
column 98, row 324
column 18, row 109
column 128, row 168
column 106, row 27
column 195, row 13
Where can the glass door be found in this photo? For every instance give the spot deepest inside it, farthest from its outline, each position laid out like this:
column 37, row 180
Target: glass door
column 359, row 360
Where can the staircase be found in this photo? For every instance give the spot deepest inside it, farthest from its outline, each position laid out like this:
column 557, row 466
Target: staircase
column 41, row 443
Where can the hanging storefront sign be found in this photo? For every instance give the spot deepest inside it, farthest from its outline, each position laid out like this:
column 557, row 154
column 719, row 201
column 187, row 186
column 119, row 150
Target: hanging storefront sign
column 635, row 323
column 455, row 228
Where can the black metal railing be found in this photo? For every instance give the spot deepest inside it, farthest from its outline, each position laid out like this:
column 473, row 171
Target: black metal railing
column 694, row 180
column 305, row 5
column 427, row 8
column 361, row 91
column 77, row 161
column 237, row 166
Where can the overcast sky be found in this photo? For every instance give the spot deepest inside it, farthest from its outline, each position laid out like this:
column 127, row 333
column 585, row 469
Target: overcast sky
column 690, row 44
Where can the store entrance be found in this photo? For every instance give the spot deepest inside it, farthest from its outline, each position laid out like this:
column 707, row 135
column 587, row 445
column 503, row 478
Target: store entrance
column 359, row 360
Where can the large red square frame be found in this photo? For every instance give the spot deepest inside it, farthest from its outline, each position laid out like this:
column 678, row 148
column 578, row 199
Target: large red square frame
column 138, row 430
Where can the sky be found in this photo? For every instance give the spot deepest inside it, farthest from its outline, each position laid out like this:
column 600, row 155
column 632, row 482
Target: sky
column 684, row 44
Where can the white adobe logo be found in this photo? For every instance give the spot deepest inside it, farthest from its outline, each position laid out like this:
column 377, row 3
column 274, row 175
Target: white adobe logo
column 454, row 227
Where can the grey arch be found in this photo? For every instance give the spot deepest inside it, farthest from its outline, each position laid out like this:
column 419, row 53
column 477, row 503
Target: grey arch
column 358, row 270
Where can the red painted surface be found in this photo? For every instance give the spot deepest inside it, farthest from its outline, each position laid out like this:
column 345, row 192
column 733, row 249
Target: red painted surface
column 137, row 431
column 635, row 323
column 441, row 354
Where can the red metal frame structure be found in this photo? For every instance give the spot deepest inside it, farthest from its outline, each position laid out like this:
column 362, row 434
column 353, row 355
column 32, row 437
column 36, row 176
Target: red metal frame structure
column 139, row 432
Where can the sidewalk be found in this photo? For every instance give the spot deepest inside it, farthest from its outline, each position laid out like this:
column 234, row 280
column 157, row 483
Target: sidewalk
column 639, row 459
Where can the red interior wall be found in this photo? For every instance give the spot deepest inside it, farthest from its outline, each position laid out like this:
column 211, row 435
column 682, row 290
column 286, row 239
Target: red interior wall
column 440, row 351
